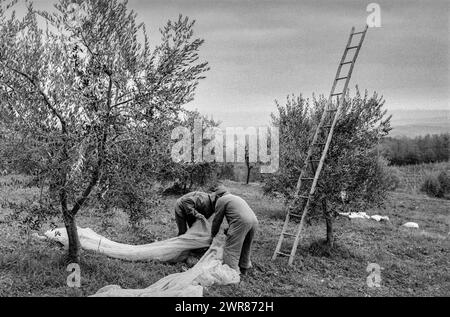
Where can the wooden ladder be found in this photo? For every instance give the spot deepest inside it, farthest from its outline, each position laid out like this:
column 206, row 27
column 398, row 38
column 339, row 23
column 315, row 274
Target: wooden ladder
column 309, row 177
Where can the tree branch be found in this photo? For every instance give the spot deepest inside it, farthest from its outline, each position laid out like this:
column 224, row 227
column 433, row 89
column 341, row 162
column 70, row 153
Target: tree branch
column 101, row 156
column 44, row 96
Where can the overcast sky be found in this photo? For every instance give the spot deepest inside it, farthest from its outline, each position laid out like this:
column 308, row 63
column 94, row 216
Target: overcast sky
column 261, row 50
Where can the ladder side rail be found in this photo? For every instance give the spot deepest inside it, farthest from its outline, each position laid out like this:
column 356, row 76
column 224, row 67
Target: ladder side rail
column 309, row 154
column 299, row 231
column 280, row 240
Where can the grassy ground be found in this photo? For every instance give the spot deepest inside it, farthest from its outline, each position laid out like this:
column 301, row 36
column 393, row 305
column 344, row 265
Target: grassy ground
column 414, row 262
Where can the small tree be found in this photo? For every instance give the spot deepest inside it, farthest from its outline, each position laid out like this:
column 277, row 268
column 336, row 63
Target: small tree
column 248, row 164
column 352, row 165
column 436, row 184
column 85, row 84
column 193, row 173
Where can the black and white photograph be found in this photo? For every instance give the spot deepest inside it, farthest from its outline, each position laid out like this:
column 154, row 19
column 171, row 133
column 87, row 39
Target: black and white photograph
column 224, row 155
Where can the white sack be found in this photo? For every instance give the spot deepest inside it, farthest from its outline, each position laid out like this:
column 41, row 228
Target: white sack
column 379, row 218
column 355, row 215
column 412, row 225
column 363, row 215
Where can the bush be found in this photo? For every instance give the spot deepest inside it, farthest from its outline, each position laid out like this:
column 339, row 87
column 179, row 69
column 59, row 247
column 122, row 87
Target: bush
column 436, row 185
column 391, row 175
column 420, row 150
column 31, row 215
column 444, row 180
column 226, row 171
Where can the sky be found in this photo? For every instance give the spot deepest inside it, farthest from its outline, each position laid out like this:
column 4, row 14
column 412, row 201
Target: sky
column 260, row 51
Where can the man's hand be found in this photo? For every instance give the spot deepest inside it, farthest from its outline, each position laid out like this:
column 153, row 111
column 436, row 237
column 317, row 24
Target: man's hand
column 199, row 216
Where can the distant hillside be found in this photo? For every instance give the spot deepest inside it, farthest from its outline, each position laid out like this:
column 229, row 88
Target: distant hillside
column 412, row 123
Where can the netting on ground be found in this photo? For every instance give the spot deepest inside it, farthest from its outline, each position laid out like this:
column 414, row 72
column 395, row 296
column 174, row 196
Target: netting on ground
column 207, row 272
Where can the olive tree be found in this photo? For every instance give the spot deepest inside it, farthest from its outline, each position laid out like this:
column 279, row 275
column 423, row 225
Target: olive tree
column 354, row 175
column 82, row 79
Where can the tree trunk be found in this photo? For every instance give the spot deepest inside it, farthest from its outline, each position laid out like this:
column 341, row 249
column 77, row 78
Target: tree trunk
column 74, row 241
column 329, row 223
column 248, row 175
column 184, row 189
column 330, row 236
column 73, row 255
column 191, row 182
column 247, row 163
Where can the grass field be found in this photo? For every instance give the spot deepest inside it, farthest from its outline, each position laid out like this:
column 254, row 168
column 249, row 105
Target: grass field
column 414, row 262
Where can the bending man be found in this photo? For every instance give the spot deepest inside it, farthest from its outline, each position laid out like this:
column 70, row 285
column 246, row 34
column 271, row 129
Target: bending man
column 242, row 228
column 194, row 206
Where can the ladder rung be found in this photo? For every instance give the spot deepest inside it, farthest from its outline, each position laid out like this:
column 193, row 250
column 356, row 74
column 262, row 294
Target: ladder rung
column 345, row 63
column 303, row 197
column 352, row 47
column 307, row 178
column 356, row 33
column 288, row 234
column 332, row 110
column 284, row 254
column 294, row 215
column 341, row 78
column 337, row 94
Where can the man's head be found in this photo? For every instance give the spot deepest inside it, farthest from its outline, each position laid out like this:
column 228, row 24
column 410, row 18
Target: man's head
column 217, row 192
column 221, row 191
